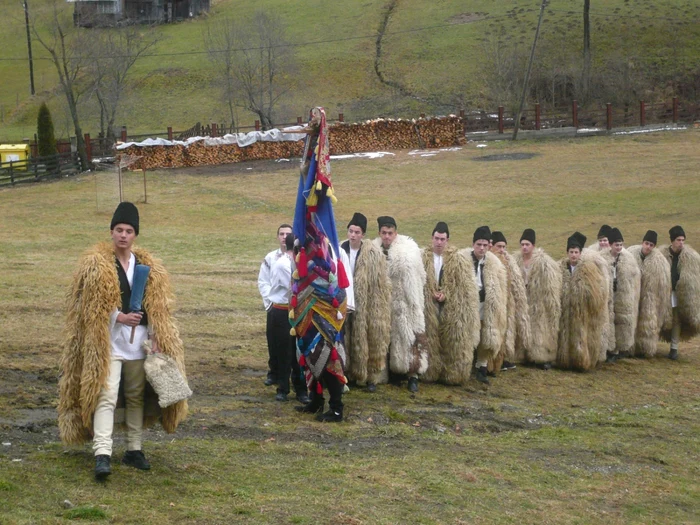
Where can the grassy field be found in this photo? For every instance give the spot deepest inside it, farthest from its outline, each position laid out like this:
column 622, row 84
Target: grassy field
column 617, row 445
column 445, row 61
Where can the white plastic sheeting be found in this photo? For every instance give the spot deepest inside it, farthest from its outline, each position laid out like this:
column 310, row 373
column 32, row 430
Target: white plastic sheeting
column 242, row 139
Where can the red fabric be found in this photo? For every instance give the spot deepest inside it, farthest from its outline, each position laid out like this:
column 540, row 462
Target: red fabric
column 343, row 281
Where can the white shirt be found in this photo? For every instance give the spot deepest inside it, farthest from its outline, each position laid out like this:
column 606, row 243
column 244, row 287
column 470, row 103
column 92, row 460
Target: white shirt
column 120, row 334
column 437, row 263
column 280, row 280
column 349, row 291
column 353, row 259
column 264, row 283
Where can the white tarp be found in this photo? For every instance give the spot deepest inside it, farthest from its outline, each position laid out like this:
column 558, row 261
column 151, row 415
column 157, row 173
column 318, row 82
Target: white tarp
column 242, row 139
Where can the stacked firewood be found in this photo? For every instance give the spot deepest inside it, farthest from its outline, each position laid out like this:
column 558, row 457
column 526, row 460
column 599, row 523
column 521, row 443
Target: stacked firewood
column 371, row 135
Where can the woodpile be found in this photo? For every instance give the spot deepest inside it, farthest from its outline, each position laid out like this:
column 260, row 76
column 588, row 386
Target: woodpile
column 371, row 135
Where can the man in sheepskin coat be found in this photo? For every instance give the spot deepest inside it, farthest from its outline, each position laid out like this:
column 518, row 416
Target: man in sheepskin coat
column 685, row 285
column 367, row 329
column 627, row 281
column 490, row 278
column 543, row 280
column 603, row 239
column 408, row 352
column 452, row 322
column 518, row 326
column 583, row 327
column 654, row 304
column 98, row 356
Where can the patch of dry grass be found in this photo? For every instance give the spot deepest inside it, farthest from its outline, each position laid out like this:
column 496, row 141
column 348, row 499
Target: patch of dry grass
column 617, row 445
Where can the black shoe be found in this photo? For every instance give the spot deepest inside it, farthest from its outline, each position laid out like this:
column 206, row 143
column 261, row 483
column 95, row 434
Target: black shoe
column 507, row 365
column 103, row 467
column 544, row 366
column 313, row 407
column 412, row 384
column 269, row 381
column 303, row 398
column 281, row 396
column 673, row 354
column 136, row 459
column 612, row 358
column 482, row 375
column 331, row 416
column 371, row 388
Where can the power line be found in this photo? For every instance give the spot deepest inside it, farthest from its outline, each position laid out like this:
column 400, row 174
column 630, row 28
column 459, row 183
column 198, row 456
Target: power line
column 294, row 44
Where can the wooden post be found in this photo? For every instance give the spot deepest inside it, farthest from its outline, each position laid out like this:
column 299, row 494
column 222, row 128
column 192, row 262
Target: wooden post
column 123, row 137
column 88, row 147
column 257, row 125
column 538, row 117
column 608, row 116
column 675, row 110
column 170, row 133
column 642, row 114
column 461, row 113
column 12, row 175
column 500, row 119
column 574, row 113
column 299, row 122
column 214, row 130
column 145, row 194
column 422, row 115
column 341, row 117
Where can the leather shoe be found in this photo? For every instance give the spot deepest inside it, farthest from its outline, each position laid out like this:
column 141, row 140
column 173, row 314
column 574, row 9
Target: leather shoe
column 612, row 358
column 482, row 375
column 281, row 396
column 269, row 381
column 371, row 388
column 103, row 467
column 313, row 407
column 136, row 459
column 673, row 354
column 413, row 384
column 331, row 416
column 303, row 398
column 544, row 366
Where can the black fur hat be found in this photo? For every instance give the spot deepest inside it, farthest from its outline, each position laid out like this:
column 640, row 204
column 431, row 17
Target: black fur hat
column 126, row 213
column 676, row 231
column 498, row 237
column 359, row 220
column 651, row 236
column 482, row 233
column 528, row 235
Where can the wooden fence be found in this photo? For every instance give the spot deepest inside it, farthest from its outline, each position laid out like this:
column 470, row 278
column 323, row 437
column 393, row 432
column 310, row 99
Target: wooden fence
column 36, row 169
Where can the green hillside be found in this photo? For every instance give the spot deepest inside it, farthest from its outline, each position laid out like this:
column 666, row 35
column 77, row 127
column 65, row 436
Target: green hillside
column 436, row 49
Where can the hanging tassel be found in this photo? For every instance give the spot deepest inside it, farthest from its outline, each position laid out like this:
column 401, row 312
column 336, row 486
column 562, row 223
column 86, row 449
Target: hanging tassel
column 302, row 269
column 335, row 303
column 343, row 281
column 319, row 186
column 339, row 315
column 293, row 332
column 302, row 360
column 295, row 275
column 319, row 388
column 334, row 354
column 293, row 302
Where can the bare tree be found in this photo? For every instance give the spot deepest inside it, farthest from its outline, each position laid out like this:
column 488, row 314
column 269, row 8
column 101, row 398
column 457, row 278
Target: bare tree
column 586, row 74
column 66, row 47
column 221, row 39
column 114, row 54
column 264, row 66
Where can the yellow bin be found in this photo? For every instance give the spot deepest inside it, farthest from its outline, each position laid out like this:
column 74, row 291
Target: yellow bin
column 18, row 154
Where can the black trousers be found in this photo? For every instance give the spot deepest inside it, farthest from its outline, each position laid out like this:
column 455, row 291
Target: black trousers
column 335, row 391
column 272, row 357
column 283, row 353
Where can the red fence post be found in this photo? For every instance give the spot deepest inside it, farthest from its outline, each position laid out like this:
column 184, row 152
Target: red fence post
column 257, row 125
column 170, row 133
column 608, row 116
column 123, row 137
column 299, row 122
column 642, row 114
column 538, row 116
column 88, row 147
column 422, row 115
column 214, row 130
column 461, row 113
column 574, row 113
column 500, row 119
column 341, row 117
column 675, row 110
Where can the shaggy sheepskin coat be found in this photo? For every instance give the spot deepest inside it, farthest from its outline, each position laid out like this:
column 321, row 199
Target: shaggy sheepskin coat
column 626, row 301
column 654, row 300
column 544, row 305
column 687, row 292
column 585, row 317
column 85, row 360
column 518, row 317
column 408, row 353
column 368, row 329
column 452, row 330
column 495, row 319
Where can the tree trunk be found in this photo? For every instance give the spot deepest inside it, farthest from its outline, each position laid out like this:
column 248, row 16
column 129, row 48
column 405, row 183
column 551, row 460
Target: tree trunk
column 586, row 75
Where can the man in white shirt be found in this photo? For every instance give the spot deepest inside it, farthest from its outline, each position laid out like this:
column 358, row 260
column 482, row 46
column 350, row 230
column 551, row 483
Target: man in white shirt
column 264, row 286
column 283, row 344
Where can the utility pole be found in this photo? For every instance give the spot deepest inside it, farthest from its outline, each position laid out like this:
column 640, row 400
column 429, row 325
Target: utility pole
column 529, row 69
column 29, row 47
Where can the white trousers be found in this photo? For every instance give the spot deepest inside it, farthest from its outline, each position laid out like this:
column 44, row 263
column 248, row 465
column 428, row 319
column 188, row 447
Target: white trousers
column 675, row 329
column 134, row 387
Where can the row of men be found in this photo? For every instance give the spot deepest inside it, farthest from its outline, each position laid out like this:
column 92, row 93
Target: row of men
column 433, row 313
